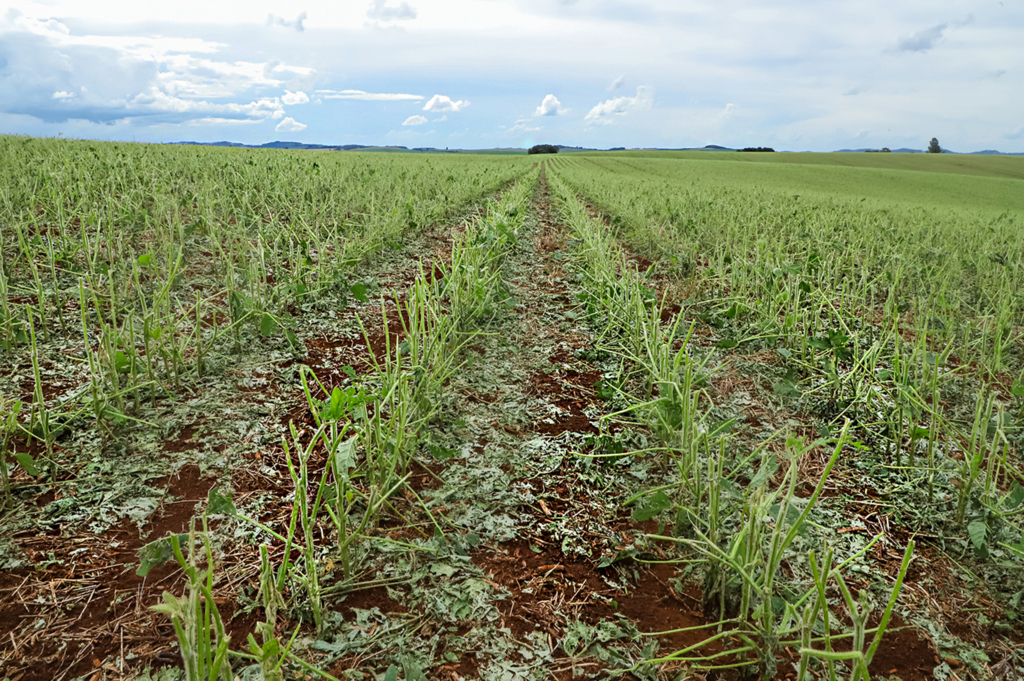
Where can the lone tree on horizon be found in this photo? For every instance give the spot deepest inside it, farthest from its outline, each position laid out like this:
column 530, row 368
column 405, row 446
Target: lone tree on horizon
column 933, row 146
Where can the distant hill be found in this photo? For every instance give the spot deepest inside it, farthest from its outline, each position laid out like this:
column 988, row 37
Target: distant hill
column 279, row 144
column 708, row 147
column 904, row 150
column 567, row 148
column 993, row 152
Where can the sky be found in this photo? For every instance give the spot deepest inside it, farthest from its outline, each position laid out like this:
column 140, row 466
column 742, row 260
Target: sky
column 814, row 75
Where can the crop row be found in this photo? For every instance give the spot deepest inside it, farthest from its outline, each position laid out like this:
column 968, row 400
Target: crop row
column 356, row 458
column 150, row 266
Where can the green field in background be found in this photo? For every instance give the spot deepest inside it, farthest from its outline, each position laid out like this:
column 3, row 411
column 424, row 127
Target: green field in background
column 977, row 184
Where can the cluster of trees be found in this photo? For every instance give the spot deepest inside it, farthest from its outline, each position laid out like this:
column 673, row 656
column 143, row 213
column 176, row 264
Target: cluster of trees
column 757, row 149
column 933, row 147
column 543, row 149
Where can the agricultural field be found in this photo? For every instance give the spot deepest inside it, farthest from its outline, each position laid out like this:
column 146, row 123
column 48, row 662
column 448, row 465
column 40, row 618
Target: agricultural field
column 345, row 415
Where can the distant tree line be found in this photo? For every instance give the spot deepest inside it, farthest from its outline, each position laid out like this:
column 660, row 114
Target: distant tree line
column 543, row 149
column 757, row 149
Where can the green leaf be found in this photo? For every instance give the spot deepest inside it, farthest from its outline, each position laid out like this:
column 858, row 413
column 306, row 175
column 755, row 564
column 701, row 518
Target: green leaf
column 655, row 505
column 267, row 325
column 391, row 674
column 292, row 338
column 348, row 371
column 345, row 457
column 359, row 292
column 977, row 530
column 1018, row 389
column 1015, row 498
column 28, row 463
column 820, row 344
column 239, row 304
column 441, row 453
column 726, row 343
column 605, row 389
column 145, row 259
column 220, row 504
column 113, row 414
column 838, row 339
column 412, row 670
column 156, row 553
column 787, row 388
column 769, row 467
column 121, row 362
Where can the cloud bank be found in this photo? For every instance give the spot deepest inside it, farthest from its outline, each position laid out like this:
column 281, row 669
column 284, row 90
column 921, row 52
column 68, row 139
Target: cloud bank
column 366, row 96
column 57, row 75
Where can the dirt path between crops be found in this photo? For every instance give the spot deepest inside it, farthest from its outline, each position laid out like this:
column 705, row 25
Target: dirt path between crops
column 531, row 406
column 527, row 406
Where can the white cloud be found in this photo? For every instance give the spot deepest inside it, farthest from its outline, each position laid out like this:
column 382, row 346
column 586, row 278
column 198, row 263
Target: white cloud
column 56, row 75
column 523, row 125
column 381, row 12
column 604, row 112
column 922, row 41
column 727, row 111
column 442, row 118
column 366, row 96
column 292, row 98
column 213, row 120
column 442, row 103
column 550, row 107
column 415, row 120
column 281, row 21
column 295, row 77
column 289, row 124
column 157, row 101
column 791, row 68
